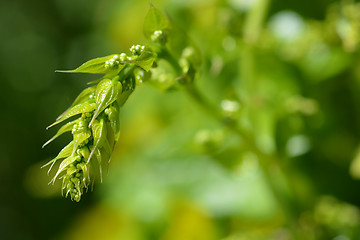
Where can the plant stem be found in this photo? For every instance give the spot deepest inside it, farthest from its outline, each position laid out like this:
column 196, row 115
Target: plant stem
column 165, row 54
column 248, row 88
column 269, row 164
column 254, row 21
column 265, row 161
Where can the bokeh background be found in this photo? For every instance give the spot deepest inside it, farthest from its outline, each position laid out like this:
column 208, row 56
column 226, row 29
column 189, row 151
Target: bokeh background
column 287, row 70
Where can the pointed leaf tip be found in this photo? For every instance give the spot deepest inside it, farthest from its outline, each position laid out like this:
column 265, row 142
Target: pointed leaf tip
column 65, row 128
column 75, row 110
column 99, row 134
column 154, row 21
column 96, row 66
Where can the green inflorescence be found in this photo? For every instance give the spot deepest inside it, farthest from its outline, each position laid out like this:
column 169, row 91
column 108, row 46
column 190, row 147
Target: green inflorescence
column 97, row 128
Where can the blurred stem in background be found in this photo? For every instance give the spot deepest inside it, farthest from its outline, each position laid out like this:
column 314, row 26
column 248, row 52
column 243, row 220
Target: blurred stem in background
column 269, row 163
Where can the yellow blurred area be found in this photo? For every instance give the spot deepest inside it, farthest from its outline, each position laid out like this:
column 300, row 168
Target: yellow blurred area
column 189, row 222
column 185, row 221
column 102, row 222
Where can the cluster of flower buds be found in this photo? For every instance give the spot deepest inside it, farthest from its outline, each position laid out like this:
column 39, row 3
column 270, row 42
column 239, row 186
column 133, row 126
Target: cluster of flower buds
column 141, row 76
column 95, row 133
column 159, row 36
column 77, row 177
column 137, row 49
column 116, row 60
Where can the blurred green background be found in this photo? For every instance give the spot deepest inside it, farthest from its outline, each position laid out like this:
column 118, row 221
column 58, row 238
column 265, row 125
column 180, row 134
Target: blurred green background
column 289, row 71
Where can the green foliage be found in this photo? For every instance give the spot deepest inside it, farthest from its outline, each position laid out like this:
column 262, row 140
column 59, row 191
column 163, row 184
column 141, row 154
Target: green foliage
column 98, row 129
column 75, row 110
column 98, row 66
column 63, row 129
column 107, row 91
column 145, row 60
column 265, row 93
column 155, row 21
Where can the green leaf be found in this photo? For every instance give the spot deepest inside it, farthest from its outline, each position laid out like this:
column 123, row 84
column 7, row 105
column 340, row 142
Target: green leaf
column 75, row 110
column 97, row 66
column 81, row 98
column 66, row 162
column 99, row 134
column 99, row 157
column 84, row 95
column 145, row 60
column 86, row 173
column 65, row 128
column 101, row 154
column 177, row 41
column 163, row 76
column 123, row 97
column 114, row 119
column 71, row 170
column 94, row 82
column 106, row 93
column 82, row 136
column 105, row 147
column 181, row 46
column 154, row 21
column 65, row 152
column 84, row 152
